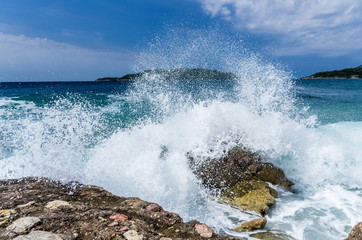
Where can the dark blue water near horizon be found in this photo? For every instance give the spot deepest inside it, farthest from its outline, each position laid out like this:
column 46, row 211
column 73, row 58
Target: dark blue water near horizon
column 324, row 97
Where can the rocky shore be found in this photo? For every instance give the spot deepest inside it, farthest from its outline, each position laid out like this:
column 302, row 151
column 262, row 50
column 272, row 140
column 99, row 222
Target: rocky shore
column 40, row 208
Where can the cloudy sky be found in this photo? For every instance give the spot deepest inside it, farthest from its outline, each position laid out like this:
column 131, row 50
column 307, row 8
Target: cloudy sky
column 85, row 39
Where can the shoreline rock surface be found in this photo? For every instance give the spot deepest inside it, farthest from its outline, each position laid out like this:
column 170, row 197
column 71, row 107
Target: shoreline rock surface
column 40, row 208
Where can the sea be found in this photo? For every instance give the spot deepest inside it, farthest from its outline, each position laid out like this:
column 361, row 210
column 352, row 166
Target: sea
column 133, row 138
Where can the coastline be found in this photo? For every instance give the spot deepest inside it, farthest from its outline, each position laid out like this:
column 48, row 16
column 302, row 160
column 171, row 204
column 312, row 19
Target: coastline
column 33, row 207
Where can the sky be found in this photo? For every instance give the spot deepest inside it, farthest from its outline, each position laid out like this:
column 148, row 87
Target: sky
column 81, row 40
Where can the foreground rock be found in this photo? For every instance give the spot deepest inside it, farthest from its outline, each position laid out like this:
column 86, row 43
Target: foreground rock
column 39, row 208
column 356, row 233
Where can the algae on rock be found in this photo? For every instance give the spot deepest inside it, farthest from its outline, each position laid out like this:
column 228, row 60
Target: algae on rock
column 251, row 196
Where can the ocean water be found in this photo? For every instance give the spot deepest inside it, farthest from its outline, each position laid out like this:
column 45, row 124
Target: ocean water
column 132, row 137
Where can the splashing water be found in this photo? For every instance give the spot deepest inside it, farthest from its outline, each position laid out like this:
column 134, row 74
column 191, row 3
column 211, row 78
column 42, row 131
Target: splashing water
column 132, row 138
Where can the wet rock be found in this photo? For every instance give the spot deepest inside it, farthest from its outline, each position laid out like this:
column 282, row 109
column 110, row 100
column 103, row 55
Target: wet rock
column 252, row 225
column 204, row 230
column 90, row 212
column 132, row 235
column 237, row 165
column 251, row 196
column 39, row 235
column 272, row 235
column 22, row 224
column 356, row 233
column 56, row 204
column 4, row 216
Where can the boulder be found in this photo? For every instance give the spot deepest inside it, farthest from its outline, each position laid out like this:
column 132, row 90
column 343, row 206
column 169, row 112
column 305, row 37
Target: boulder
column 251, row 196
column 252, row 225
column 356, row 233
column 239, row 164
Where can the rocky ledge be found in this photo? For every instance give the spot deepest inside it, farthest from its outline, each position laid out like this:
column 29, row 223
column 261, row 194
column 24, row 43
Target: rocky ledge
column 40, row 208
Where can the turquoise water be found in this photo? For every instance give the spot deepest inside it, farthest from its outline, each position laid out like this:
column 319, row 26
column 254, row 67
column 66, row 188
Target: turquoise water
column 132, row 137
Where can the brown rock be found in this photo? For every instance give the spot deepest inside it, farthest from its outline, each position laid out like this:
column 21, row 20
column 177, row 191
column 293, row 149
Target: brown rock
column 237, row 165
column 252, row 225
column 204, row 230
column 87, row 216
column 356, row 233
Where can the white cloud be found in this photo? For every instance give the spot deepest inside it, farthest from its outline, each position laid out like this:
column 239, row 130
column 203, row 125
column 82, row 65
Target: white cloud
column 297, row 26
column 23, row 58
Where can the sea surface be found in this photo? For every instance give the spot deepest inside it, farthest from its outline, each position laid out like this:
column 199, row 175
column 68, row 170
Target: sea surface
column 132, row 138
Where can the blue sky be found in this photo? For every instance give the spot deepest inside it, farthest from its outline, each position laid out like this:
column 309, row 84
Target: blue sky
column 85, row 39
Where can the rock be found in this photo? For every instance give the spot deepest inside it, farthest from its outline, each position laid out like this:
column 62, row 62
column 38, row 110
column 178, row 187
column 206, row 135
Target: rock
column 132, row 235
column 118, row 217
column 237, row 165
column 39, row 235
column 26, row 205
column 204, row 230
column 112, row 224
column 251, row 196
column 4, row 216
column 88, row 216
column 163, row 238
column 356, row 233
column 154, row 207
column 272, row 235
column 56, row 204
column 252, row 225
column 22, row 224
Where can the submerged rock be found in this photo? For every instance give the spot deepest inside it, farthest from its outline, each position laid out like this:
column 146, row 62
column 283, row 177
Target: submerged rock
column 272, row 235
column 251, row 196
column 356, row 233
column 92, row 213
column 252, row 225
column 237, row 165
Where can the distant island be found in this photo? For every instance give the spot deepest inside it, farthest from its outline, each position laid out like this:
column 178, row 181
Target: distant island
column 174, row 74
column 347, row 73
